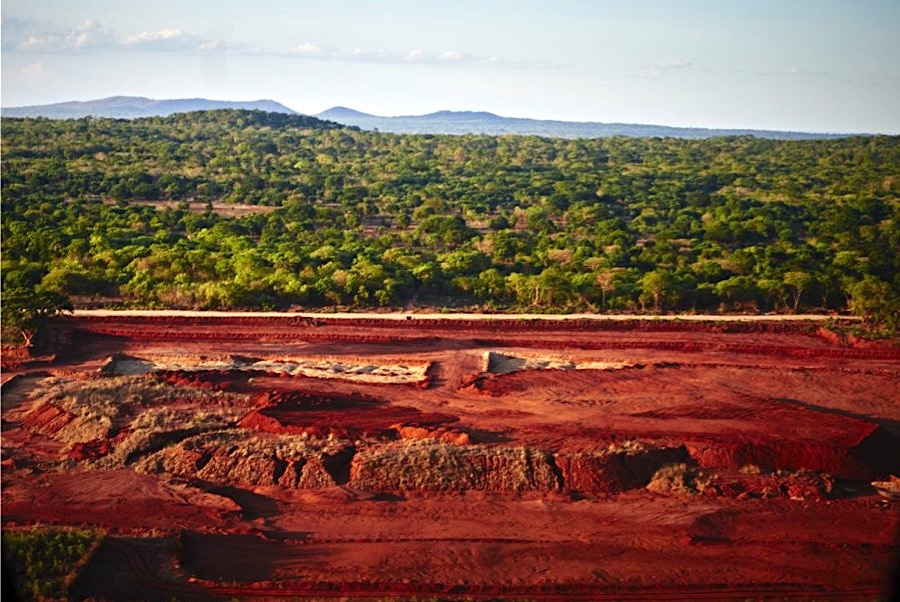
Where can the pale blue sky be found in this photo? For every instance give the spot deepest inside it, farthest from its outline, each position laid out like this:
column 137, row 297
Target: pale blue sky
column 811, row 65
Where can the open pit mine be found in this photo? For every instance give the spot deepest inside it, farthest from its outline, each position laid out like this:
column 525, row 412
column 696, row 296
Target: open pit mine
column 264, row 457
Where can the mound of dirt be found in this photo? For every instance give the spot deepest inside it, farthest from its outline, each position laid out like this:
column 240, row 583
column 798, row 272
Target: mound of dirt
column 512, row 381
column 441, row 433
column 439, row 466
column 749, row 483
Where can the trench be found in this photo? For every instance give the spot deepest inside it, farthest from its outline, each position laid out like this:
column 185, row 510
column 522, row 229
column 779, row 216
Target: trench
column 557, row 472
column 337, row 465
column 158, row 441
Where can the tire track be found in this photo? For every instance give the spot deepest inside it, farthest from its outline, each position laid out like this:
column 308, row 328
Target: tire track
column 142, row 571
column 410, row 590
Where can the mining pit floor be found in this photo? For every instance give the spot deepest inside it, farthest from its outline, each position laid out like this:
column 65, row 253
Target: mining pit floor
column 275, row 457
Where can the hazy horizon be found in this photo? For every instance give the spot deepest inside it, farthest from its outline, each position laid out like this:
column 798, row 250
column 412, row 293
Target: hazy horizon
column 826, row 66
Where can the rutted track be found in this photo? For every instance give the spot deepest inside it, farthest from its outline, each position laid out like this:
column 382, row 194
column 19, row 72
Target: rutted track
column 570, row 592
column 142, row 571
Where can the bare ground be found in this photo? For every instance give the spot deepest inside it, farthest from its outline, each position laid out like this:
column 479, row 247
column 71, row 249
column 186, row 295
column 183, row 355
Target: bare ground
column 782, row 429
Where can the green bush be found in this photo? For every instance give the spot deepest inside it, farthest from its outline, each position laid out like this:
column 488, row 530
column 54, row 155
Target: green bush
column 43, row 562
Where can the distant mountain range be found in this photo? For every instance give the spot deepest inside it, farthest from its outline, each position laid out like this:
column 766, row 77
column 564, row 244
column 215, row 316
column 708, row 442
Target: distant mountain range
column 470, row 122
column 131, row 107
column 441, row 122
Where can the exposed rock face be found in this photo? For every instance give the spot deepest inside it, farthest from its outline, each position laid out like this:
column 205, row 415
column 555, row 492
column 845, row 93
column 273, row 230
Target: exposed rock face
column 250, row 459
column 47, row 419
column 614, row 471
column 437, row 465
column 311, row 475
column 405, row 465
column 244, row 459
column 867, row 452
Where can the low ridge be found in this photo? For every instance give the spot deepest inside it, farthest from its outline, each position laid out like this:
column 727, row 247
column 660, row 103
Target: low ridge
column 483, row 122
column 131, row 107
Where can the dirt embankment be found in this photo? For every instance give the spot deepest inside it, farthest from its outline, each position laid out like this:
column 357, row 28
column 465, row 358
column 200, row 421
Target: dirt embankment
column 307, row 439
column 436, row 465
column 423, row 465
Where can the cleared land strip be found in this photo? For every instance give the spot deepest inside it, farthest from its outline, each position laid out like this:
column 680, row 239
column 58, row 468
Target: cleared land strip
column 415, row 590
column 176, row 313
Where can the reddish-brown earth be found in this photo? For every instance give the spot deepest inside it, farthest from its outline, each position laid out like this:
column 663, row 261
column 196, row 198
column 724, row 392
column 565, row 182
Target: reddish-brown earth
column 551, row 459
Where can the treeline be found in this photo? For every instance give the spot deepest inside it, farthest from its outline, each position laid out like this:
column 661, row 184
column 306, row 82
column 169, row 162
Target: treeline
column 369, row 219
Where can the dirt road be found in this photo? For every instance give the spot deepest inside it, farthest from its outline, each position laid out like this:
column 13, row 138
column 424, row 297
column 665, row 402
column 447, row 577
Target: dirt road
column 457, row 316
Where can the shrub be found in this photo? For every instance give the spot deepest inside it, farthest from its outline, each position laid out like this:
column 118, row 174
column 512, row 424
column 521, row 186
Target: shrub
column 45, row 561
column 678, row 478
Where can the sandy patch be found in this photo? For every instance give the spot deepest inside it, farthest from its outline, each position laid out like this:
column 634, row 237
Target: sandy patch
column 501, row 363
column 348, row 369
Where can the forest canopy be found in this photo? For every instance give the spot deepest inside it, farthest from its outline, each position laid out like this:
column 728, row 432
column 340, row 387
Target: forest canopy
column 367, row 219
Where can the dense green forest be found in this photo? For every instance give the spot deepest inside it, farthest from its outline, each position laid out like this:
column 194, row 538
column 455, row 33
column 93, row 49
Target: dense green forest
column 368, row 219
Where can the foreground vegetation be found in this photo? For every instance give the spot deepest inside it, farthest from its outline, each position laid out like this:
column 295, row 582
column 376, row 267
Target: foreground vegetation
column 369, row 219
column 44, row 561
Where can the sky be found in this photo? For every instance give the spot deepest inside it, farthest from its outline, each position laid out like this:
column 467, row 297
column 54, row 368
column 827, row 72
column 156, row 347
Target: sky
column 802, row 65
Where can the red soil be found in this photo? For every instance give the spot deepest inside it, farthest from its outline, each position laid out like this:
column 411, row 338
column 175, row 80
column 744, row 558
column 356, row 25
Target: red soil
column 532, row 484
column 47, row 419
column 348, row 416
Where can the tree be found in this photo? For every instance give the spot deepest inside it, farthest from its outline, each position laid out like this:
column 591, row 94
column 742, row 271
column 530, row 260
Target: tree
column 799, row 282
column 875, row 302
column 737, row 289
column 606, row 282
column 658, row 286
column 498, row 223
column 26, row 311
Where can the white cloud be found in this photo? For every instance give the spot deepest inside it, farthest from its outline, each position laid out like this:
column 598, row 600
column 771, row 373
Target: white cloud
column 13, row 31
column 36, row 71
column 91, row 33
column 314, row 50
column 25, row 35
column 151, row 37
column 211, row 45
column 32, row 36
column 451, row 55
column 317, row 51
column 171, row 39
column 37, row 41
column 375, row 56
column 455, row 56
